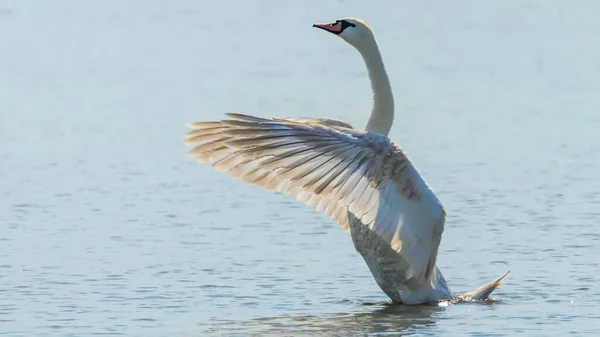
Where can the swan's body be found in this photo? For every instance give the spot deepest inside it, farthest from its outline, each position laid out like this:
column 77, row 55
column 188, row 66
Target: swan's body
column 361, row 179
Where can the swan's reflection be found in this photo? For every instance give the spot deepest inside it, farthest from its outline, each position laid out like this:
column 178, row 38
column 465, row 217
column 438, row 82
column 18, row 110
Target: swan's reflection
column 381, row 319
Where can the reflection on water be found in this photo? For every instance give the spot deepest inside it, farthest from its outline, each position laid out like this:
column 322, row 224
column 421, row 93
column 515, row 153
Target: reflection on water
column 383, row 320
column 380, row 319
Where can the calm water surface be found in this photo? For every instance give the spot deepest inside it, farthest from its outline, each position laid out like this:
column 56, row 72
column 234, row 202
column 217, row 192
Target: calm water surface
column 108, row 228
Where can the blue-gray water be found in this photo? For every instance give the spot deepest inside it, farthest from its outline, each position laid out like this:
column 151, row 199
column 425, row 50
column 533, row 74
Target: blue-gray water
column 108, row 228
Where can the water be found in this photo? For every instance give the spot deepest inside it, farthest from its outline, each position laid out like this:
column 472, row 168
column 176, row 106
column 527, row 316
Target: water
column 108, row 228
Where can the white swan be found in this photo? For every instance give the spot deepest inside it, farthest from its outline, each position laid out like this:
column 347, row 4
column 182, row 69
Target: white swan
column 361, row 179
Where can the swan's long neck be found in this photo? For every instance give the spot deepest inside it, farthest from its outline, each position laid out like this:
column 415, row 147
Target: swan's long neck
column 382, row 114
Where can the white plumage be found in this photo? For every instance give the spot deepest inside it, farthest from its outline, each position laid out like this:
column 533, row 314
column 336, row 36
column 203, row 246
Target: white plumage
column 360, row 179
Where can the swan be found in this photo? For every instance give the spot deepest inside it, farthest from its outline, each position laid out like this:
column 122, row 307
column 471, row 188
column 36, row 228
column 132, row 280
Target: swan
column 361, row 179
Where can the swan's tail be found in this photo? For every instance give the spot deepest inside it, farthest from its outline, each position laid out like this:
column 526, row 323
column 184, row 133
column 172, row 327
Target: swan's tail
column 483, row 292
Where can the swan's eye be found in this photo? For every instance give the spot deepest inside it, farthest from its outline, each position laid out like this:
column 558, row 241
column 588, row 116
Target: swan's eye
column 346, row 24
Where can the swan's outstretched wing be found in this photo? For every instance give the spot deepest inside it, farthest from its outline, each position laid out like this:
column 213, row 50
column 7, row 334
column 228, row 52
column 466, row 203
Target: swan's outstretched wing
column 335, row 169
column 210, row 135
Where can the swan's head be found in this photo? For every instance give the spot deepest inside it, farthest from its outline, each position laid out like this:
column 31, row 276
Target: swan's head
column 354, row 31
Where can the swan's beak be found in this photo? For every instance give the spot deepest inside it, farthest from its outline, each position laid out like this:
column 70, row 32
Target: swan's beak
column 334, row 27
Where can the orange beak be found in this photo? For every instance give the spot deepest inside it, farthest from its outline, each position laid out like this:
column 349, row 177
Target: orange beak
column 334, row 27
